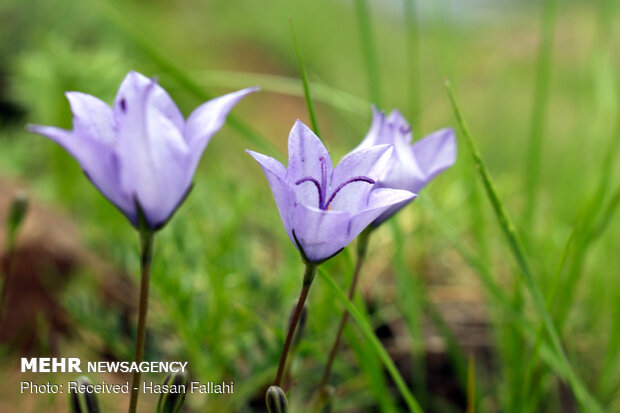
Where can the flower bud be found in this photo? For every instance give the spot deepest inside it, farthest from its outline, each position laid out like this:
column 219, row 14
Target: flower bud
column 18, row 210
column 301, row 325
column 276, row 400
column 84, row 402
column 171, row 402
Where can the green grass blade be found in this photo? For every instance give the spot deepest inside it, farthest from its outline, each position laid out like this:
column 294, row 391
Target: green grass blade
column 518, row 252
column 336, row 98
column 413, row 61
column 368, row 48
column 411, row 301
column 304, row 80
column 539, row 108
column 378, row 348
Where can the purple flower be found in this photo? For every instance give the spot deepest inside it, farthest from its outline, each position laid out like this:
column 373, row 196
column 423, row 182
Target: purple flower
column 412, row 167
column 324, row 208
column 141, row 153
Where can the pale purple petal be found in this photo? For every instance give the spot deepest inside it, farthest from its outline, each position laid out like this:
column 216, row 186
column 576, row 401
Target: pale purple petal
column 131, row 96
column 370, row 163
column 305, row 150
column 207, row 119
column 404, row 171
column 92, row 117
column 91, row 144
column 383, row 202
column 398, row 127
column 320, row 233
column 373, row 137
column 435, row 153
column 282, row 192
column 153, row 156
column 97, row 160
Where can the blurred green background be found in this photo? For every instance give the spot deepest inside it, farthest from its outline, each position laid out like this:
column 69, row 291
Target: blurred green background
column 537, row 81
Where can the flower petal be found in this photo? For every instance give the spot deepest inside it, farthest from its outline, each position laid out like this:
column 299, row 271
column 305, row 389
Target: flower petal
column 435, row 153
column 373, row 137
column 152, row 152
column 364, row 163
column 320, row 233
column 282, row 192
column 131, row 96
column 404, row 171
column 308, row 158
column 397, row 126
column 92, row 117
column 97, row 159
column 207, row 119
column 382, row 203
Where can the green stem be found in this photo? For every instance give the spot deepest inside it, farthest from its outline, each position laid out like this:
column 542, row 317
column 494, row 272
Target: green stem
column 308, row 278
column 146, row 246
column 362, row 245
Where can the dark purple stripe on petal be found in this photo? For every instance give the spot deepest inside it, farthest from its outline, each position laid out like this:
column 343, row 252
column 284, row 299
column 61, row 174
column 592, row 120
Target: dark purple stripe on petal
column 345, row 183
column 318, row 188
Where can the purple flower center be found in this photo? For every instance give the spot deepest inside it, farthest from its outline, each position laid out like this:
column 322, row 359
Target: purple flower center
column 321, row 187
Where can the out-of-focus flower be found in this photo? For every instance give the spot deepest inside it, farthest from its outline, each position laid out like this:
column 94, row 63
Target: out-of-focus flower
column 140, row 153
column 412, row 167
column 324, row 208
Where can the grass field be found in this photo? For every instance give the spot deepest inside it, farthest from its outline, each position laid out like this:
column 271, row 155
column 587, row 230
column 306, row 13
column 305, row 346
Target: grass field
column 507, row 262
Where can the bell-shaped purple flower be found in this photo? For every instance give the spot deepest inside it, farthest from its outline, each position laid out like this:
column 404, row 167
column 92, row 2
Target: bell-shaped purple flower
column 324, row 208
column 412, row 167
column 140, row 153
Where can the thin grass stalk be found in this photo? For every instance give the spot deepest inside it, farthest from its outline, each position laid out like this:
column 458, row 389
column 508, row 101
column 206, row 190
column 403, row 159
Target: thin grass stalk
column 368, row 49
column 413, row 61
column 412, row 290
column 539, row 108
column 370, row 336
column 304, row 79
column 514, row 244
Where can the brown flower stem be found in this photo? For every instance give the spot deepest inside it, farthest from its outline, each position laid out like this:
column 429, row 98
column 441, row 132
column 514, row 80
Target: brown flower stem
column 308, row 278
column 146, row 244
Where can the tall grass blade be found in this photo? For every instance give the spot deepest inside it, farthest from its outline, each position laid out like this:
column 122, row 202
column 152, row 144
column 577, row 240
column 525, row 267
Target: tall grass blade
column 368, row 48
column 539, row 108
column 370, row 336
column 304, row 80
column 518, row 252
column 413, row 61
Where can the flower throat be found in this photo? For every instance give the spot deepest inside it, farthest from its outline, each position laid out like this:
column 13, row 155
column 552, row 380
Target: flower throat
column 321, row 187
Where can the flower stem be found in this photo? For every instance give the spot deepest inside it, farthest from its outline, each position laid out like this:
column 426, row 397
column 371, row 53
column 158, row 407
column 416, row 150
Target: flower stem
column 362, row 245
column 308, row 278
column 146, row 246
